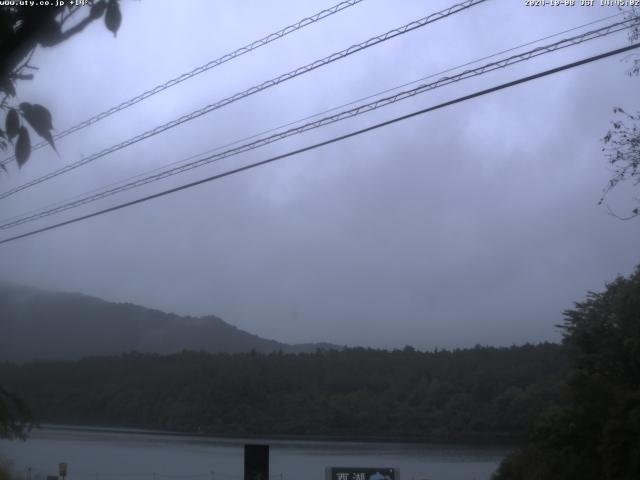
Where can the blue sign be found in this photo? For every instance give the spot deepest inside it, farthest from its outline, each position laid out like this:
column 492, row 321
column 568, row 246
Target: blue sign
column 349, row 473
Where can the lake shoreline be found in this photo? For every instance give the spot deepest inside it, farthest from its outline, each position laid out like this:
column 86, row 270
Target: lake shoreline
column 453, row 440
column 102, row 453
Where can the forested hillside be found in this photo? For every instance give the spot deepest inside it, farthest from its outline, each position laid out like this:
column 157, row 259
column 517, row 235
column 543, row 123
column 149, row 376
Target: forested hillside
column 476, row 393
column 593, row 433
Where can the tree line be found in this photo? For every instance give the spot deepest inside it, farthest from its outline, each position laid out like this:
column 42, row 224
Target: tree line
column 477, row 393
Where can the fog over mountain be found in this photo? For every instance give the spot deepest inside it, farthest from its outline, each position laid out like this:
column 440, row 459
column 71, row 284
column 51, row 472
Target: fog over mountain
column 41, row 324
column 476, row 223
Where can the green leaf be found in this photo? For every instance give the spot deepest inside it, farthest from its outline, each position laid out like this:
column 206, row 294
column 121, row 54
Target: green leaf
column 6, row 28
column 12, row 123
column 40, row 120
column 37, row 116
column 23, row 146
column 50, row 32
column 113, row 17
column 7, row 85
column 97, row 9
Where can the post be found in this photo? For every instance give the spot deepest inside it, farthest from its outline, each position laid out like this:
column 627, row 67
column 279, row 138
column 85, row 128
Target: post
column 256, row 462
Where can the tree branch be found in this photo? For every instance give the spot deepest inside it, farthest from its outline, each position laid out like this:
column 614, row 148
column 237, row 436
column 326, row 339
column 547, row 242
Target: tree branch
column 613, row 214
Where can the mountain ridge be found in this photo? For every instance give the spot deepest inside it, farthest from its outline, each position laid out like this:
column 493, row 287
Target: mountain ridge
column 40, row 324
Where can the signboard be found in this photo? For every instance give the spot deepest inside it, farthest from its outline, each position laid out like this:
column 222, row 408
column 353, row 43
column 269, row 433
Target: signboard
column 62, row 469
column 351, row 473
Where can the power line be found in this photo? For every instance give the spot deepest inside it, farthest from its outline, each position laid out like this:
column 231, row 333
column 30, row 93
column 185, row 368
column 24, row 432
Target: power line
column 505, row 62
column 614, row 28
column 330, row 141
column 258, row 88
column 332, row 109
column 198, row 70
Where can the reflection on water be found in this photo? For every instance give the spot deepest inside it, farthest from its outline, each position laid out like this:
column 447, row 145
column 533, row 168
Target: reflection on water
column 119, row 454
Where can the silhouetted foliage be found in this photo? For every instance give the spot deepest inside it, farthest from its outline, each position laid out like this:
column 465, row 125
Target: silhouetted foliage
column 595, row 432
column 23, row 28
column 470, row 394
column 15, row 416
column 622, row 141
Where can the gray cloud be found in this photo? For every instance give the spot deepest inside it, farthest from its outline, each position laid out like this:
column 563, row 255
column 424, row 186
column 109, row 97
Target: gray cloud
column 475, row 224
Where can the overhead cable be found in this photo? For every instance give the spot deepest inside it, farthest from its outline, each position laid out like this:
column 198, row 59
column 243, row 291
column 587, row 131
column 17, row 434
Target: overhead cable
column 359, row 110
column 253, row 90
column 308, row 117
column 328, row 142
column 198, row 70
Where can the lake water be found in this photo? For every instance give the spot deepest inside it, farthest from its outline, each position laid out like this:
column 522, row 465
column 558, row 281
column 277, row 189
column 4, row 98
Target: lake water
column 117, row 454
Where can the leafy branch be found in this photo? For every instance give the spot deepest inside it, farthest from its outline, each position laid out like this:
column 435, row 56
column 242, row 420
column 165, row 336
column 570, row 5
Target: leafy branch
column 622, row 149
column 22, row 30
column 621, row 144
column 15, row 414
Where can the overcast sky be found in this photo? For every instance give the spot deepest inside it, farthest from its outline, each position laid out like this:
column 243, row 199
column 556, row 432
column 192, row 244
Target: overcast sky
column 477, row 223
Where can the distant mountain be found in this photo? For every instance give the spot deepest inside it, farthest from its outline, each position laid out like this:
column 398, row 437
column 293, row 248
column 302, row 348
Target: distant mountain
column 39, row 324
